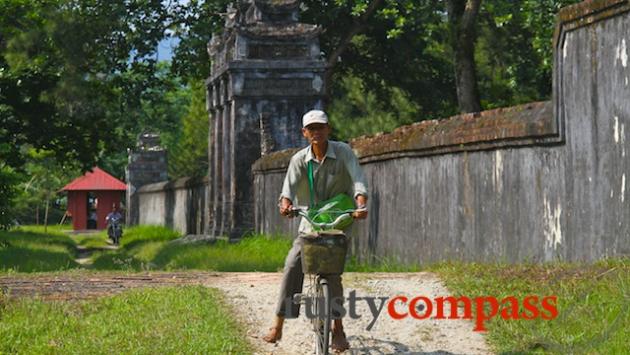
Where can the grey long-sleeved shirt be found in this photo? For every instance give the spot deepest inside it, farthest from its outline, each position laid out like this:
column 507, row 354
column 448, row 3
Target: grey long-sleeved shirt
column 339, row 172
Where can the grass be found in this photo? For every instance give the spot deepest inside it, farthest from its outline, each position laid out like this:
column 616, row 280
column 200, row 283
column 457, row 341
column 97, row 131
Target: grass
column 91, row 241
column 148, row 248
column 185, row 320
column 253, row 253
column 28, row 249
column 593, row 304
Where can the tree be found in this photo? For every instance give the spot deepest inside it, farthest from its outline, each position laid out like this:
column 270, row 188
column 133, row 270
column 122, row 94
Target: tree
column 45, row 176
column 462, row 17
column 362, row 13
column 8, row 183
column 63, row 72
column 401, row 46
column 188, row 153
column 514, row 50
column 360, row 112
column 194, row 23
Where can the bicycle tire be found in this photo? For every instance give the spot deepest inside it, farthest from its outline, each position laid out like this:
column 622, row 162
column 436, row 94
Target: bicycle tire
column 323, row 317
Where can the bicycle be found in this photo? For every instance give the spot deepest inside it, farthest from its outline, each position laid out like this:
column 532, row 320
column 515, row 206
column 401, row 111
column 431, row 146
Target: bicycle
column 323, row 254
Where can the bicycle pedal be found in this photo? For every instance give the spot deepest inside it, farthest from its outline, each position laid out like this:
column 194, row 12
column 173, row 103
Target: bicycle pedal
column 298, row 298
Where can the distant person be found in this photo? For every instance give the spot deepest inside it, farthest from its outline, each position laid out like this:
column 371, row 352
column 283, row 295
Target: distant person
column 114, row 229
column 92, row 220
column 113, row 215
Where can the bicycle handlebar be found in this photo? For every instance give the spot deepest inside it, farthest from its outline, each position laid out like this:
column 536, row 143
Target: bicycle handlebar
column 343, row 215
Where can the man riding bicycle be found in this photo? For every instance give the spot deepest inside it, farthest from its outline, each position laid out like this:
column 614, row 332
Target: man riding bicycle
column 113, row 215
column 335, row 170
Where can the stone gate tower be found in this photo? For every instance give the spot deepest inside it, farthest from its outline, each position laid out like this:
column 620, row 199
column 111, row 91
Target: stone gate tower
column 147, row 164
column 267, row 71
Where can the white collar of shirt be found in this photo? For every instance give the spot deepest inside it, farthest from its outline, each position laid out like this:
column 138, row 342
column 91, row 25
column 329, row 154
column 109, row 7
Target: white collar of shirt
column 330, row 153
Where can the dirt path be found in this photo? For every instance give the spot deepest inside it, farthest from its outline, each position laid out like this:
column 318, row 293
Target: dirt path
column 84, row 254
column 253, row 297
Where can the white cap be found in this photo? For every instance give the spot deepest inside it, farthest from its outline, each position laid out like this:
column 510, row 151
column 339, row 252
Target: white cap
column 314, row 116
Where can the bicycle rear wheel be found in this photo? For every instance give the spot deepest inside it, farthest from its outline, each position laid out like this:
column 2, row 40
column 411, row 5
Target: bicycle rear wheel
column 322, row 319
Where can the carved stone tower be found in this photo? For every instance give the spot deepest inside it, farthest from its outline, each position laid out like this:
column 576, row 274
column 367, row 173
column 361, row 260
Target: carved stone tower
column 267, row 72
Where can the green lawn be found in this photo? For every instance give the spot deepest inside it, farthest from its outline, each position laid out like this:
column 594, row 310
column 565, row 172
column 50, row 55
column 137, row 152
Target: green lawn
column 150, row 248
column 593, row 304
column 29, row 249
column 184, row 320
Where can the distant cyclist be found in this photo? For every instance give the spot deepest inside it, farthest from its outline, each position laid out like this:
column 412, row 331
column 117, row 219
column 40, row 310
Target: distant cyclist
column 113, row 216
column 335, row 170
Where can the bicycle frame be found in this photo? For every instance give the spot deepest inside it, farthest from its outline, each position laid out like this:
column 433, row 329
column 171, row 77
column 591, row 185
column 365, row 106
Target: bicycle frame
column 318, row 291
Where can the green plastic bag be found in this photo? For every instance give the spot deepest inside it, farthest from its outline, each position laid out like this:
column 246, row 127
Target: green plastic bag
column 327, row 211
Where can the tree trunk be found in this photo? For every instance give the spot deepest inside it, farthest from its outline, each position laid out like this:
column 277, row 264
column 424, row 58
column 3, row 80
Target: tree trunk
column 356, row 28
column 462, row 15
column 46, row 215
column 37, row 214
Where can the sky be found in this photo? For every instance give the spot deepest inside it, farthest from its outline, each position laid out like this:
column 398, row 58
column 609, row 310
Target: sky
column 166, row 48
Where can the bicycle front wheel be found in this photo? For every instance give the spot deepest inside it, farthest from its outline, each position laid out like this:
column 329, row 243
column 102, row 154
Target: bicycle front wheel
column 323, row 317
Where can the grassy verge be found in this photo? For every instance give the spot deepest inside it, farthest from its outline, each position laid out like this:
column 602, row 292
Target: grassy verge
column 593, row 301
column 188, row 320
column 91, row 241
column 153, row 251
column 29, row 249
column 149, row 248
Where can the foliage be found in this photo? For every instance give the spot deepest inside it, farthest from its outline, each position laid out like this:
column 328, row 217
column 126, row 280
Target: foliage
column 65, row 72
column 514, row 52
column 406, row 45
column 401, row 46
column 182, row 320
column 188, row 154
column 359, row 111
column 593, row 304
column 8, row 182
column 46, row 176
column 194, row 23
column 79, row 78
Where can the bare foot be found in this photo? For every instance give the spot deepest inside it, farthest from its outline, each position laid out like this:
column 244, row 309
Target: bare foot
column 339, row 342
column 274, row 335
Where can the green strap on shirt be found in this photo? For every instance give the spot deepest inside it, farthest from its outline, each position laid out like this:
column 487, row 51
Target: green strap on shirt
column 311, row 190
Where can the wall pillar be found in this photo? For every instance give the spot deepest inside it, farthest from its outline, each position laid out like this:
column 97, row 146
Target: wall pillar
column 266, row 72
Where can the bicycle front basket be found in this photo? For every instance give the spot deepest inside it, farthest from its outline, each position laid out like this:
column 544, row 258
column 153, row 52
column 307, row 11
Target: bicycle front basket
column 324, row 254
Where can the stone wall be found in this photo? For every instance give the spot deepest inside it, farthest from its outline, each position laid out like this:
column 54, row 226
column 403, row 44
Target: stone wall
column 179, row 204
column 536, row 182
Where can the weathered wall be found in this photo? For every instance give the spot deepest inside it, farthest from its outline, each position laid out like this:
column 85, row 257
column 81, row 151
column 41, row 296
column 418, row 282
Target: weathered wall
column 179, row 204
column 535, row 182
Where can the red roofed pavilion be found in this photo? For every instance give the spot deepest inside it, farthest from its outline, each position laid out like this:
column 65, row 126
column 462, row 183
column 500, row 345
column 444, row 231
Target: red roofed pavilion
column 90, row 198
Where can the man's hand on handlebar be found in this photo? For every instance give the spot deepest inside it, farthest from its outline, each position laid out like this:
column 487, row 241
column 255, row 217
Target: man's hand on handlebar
column 361, row 211
column 286, row 208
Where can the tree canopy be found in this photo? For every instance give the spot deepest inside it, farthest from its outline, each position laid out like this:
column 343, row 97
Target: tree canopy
column 80, row 79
